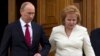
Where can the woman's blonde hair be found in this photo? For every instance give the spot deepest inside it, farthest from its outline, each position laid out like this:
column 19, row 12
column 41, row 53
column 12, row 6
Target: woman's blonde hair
column 71, row 9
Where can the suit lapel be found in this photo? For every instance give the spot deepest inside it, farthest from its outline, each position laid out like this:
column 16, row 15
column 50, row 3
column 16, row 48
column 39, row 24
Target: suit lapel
column 19, row 28
column 34, row 34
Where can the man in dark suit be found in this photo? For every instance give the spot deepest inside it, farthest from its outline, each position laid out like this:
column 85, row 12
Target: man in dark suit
column 24, row 37
column 95, row 40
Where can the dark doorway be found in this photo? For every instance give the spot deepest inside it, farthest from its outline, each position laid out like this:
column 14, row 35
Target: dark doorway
column 3, row 16
column 18, row 4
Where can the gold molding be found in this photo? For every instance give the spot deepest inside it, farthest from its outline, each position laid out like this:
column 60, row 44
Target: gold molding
column 11, row 11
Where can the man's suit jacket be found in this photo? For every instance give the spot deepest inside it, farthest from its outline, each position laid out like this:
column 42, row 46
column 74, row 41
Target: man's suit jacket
column 95, row 40
column 14, row 38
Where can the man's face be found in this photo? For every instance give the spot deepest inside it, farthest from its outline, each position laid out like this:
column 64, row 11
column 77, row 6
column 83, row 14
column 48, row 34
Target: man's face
column 28, row 13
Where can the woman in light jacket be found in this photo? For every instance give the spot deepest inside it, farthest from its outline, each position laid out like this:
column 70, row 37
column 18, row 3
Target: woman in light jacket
column 70, row 38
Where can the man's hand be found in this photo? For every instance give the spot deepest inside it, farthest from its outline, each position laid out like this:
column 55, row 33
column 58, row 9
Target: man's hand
column 37, row 54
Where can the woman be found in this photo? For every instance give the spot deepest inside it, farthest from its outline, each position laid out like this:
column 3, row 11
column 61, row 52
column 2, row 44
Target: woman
column 70, row 38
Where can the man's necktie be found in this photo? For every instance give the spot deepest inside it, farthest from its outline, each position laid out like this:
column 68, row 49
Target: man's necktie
column 27, row 36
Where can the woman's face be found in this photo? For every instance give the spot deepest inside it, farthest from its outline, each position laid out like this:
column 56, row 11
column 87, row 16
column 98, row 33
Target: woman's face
column 70, row 20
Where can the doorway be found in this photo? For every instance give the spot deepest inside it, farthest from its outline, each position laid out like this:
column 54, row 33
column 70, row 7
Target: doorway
column 3, row 16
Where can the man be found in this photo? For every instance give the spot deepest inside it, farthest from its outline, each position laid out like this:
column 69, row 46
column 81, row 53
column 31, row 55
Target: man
column 23, row 36
column 95, row 40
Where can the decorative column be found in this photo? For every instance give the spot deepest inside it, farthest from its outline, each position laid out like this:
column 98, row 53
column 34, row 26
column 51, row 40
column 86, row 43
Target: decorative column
column 11, row 11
